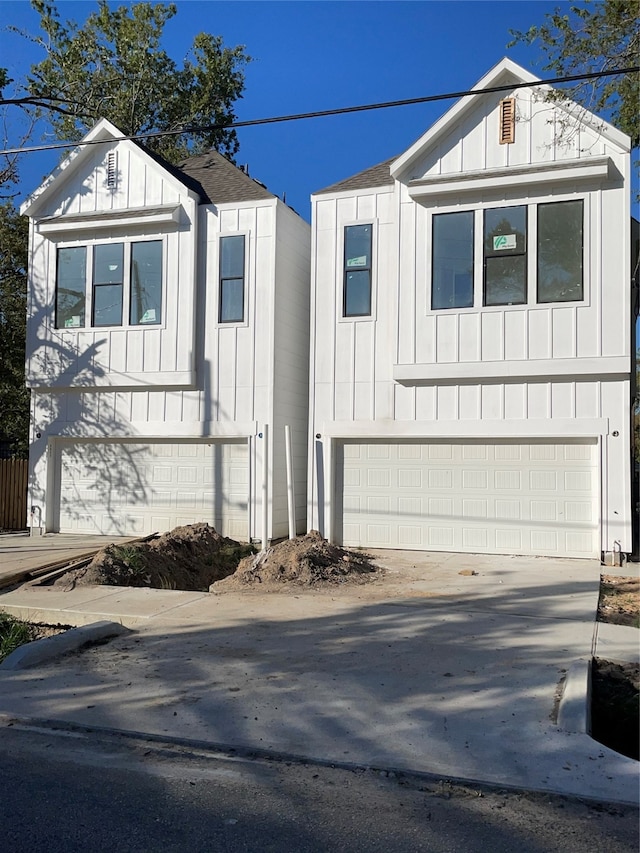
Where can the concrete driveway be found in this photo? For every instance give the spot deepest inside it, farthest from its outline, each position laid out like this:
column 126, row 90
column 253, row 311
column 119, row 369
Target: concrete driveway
column 450, row 665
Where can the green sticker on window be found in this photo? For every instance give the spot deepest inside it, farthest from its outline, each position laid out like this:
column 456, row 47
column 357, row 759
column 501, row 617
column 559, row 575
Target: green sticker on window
column 357, row 262
column 504, row 241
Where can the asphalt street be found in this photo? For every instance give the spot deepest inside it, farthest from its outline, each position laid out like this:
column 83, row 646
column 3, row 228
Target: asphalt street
column 70, row 791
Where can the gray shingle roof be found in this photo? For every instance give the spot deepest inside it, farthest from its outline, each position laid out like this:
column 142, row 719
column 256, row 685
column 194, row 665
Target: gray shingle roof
column 375, row 176
column 219, row 181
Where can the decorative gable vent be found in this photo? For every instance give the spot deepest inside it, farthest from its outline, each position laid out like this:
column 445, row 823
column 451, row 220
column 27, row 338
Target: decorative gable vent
column 507, row 121
column 112, row 174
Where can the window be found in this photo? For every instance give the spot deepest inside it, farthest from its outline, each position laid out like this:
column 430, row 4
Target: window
column 146, row 283
column 505, row 256
column 108, row 283
column 452, row 260
column 555, row 257
column 560, row 251
column 71, row 285
column 115, row 279
column 357, row 271
column 231, row 308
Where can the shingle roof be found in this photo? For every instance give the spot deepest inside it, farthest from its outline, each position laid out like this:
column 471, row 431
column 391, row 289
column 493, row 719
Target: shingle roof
column 375, row 176
column 220, row 181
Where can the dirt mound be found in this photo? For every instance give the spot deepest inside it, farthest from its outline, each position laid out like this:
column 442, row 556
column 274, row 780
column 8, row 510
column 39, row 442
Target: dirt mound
column 190, row 557
column 308, row 561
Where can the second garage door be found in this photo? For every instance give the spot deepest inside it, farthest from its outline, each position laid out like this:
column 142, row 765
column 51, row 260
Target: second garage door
column 127, row 488
column 496, row 497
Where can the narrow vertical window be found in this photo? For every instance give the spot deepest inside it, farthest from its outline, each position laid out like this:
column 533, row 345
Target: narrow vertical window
column 231, row 308
column 108, row 278
column 505, row 256
column 71, row 285
column 357, row 271
column 560, row 251
column 146, row 283
column 452, row 261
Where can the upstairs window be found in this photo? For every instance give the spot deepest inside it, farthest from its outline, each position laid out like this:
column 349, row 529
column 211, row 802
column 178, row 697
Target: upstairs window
column 146, row 283
column 553, row 259
column 356, row 300
column 452, row 260
column 505, row 256
column 71, row 287
column 108, row 284
column 114, row 279
column 560, row 251
column 231, row 308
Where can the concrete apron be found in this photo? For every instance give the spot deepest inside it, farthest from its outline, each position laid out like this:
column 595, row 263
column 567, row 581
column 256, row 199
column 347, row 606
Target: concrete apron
column 433, row 671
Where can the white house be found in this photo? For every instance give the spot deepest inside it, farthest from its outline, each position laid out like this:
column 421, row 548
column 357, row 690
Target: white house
column 471, row 348
column 167, row 345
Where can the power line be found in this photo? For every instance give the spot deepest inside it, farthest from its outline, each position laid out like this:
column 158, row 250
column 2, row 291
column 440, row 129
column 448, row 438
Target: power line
column 332, row 112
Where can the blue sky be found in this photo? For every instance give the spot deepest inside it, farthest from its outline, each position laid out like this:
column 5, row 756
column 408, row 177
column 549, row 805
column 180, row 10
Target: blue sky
column 319, row 55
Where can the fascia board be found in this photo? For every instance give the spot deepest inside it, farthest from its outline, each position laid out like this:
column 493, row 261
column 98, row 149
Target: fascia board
column 597, row 168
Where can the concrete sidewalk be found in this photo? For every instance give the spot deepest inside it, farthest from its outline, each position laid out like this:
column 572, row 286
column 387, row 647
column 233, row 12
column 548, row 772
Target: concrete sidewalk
column 429, row 670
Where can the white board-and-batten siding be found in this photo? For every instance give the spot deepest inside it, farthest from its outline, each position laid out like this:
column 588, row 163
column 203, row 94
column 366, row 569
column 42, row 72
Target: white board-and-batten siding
column 552, row 370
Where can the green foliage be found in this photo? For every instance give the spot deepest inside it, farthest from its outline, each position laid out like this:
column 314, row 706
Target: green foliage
column 595, row 36
column 114, row 67
column 14, row 397
column 13, row 633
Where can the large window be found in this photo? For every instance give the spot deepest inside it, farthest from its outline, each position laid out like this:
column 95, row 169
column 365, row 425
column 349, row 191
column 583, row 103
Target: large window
column 560, row 251
column 114, row 279
column 71, row 287
column 506, row 256
column 231, row 308
column 146, row 283
column 357, row 271
column 452, row 260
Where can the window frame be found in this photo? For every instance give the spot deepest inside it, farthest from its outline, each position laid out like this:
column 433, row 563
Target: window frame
column 532, row 206
column 545, row 204
column 488, row 255
column 341, row 277
column 245, row 235
column 90, row 285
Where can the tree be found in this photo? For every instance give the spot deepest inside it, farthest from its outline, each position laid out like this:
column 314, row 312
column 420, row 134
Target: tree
column 114, row 67
column 14, row 397
column 595, row 36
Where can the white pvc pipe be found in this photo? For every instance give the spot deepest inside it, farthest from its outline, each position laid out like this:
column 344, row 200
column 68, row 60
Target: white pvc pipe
column 265, row 487
column 291, row 496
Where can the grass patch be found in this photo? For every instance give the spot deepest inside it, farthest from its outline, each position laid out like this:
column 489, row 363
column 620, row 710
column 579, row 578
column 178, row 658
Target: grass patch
column 13, row 634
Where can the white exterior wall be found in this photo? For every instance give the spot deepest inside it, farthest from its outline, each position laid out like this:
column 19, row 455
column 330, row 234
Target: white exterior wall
column 548, row 370
column 291, row 367
column 191, row 377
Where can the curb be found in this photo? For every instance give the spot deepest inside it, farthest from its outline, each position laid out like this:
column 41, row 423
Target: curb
column 41, row 651
column 164, row 744
column 574, row 710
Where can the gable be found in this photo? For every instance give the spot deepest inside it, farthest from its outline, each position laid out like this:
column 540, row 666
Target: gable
column 466, row 138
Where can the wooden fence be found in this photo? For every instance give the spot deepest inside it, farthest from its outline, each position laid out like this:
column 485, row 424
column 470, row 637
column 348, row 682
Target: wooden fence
column 13, row 494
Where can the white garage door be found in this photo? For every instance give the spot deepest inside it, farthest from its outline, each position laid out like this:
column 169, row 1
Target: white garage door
column 502, row 497
column 133, row 489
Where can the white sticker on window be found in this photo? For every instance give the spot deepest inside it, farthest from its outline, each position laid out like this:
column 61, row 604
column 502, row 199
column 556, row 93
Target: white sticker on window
column 149, row 316
column 357, row 262
column 504, row 241
column 72, row 322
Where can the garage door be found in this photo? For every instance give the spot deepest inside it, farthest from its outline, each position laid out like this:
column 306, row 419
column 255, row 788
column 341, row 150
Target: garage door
column 132, row 489
column 502, row 497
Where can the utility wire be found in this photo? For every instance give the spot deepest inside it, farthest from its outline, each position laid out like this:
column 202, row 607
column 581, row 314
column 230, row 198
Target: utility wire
column 322, row 113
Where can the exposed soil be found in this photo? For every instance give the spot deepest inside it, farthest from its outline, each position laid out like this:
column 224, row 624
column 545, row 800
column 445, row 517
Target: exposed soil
column 307, row 561
column 615, row 719
column 190, row 557
column 615, row 698
column 619, row 602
